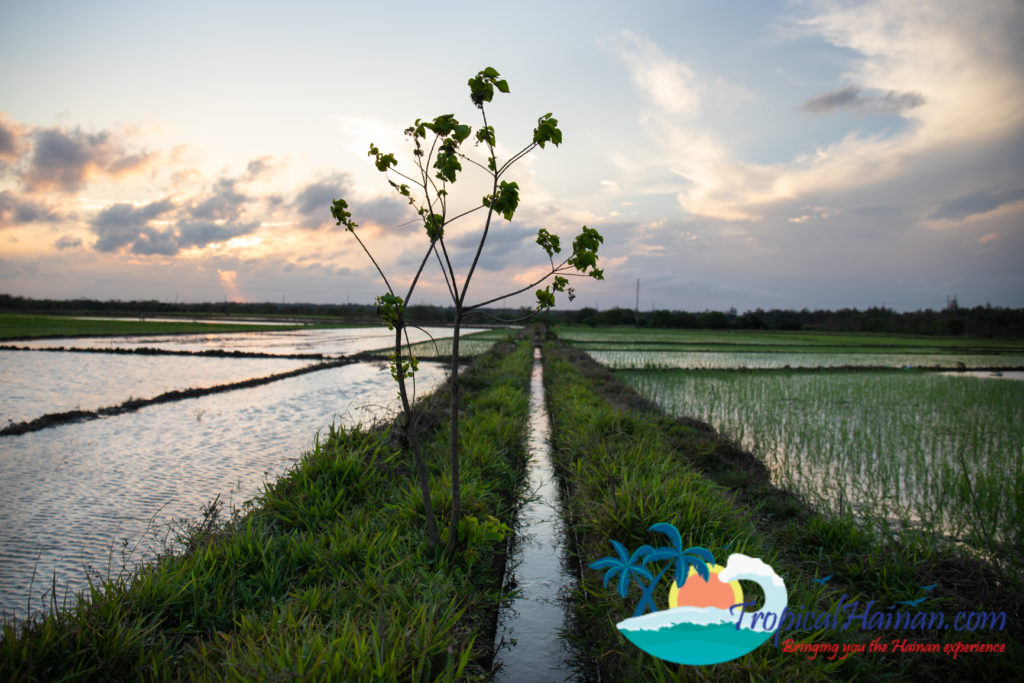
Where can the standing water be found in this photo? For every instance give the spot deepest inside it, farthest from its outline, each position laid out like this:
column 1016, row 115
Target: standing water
column 529, row 644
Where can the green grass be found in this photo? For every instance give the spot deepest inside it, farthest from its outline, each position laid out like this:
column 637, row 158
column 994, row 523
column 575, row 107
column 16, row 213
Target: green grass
column 940, row 453
column 20, row 326
column 322, row 577
column 625, row 466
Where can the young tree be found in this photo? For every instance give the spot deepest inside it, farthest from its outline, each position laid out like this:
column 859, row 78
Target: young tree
column 438, row 155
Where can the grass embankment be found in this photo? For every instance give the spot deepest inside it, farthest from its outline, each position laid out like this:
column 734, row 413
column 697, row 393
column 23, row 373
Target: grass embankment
column 626, row 466
column 20, row 326
column 324, row 576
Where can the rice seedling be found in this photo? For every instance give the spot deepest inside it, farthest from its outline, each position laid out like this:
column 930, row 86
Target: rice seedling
column 625, row 466
column 635, row 359
column 886, row 446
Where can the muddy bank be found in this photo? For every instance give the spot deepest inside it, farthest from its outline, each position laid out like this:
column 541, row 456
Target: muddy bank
column 150, row 351
column 131, row 405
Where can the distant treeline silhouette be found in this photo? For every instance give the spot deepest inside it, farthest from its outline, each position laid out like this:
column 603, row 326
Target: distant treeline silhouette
column 981, row 321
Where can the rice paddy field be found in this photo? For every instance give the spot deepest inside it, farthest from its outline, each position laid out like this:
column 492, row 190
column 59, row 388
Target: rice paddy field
column 852, row 422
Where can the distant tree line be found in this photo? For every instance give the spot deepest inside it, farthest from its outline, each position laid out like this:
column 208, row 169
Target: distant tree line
column 980, row 321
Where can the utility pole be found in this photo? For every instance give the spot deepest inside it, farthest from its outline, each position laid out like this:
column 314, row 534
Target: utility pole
column 637, row 309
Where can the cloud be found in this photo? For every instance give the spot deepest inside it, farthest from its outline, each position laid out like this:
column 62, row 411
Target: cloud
column 226, row 203
column 668, row 83
column 65, row 159
column 947, row 69
column 852, row 97
column 11, row 140
column 122, row 224
column 507, row 244
column 951, row 66
column 313, row 203
column 67, row 242
column 974, row 204
column 16, row 210
column 258, row 167
column 137, row 228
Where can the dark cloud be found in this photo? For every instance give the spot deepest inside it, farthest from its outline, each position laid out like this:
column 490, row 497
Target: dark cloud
column 15, row 210
column 314, row 201
column 257, row 167
column 314, row 204
column 902, row 100
column 847, row 97
column 200, row 234
column 973, row 204
column 64, row 160
column 852, row 97
column 9, row 142
column 226, row 203
column 122, row 224
column 67, row 242
column 387, row 212
column 507, row 244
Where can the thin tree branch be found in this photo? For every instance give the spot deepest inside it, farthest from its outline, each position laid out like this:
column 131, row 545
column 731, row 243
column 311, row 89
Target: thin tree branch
column 518, row 291
column 375, row 264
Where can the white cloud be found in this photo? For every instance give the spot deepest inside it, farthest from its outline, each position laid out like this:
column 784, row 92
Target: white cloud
column 669, row 83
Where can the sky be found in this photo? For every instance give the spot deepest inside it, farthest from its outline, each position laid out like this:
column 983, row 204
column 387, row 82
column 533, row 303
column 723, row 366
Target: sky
column 732, row 154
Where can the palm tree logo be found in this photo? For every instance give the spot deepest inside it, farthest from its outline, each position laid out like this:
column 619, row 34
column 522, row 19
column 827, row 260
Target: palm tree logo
column 627, row 566
column 701, row 624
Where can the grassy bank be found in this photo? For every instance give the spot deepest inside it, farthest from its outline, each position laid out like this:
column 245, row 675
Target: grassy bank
column 322, row 577
column 626, row 466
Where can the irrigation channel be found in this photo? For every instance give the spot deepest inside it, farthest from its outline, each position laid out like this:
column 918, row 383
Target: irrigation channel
column 93, row 499
column 528, row 642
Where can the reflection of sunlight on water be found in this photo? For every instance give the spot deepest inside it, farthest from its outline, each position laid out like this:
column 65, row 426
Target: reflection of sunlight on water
column 331, row 341
column 69, row 494
column 41, row 382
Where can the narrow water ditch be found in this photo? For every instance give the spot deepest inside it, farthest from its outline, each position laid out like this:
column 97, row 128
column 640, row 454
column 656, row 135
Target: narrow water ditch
column 528, row 642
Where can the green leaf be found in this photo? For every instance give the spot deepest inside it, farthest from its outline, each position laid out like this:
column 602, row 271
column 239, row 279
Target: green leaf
column 434, row 224
column 339, row 209
column 485, row 135
column 550, row 243
column 481, row 87
column 545, row 299
column 584, row 252
column 506, row 201
column 547, row 131
column 390, row 309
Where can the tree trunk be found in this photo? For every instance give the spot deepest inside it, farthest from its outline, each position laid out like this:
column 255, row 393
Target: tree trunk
column 413, row 439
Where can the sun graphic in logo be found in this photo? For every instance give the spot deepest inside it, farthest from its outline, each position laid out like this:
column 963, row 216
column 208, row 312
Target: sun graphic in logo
column 711, row 593
column 703, row 622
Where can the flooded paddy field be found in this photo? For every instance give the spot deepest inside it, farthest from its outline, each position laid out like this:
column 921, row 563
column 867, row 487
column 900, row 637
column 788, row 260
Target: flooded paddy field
column 941, row 452
column 95, row 497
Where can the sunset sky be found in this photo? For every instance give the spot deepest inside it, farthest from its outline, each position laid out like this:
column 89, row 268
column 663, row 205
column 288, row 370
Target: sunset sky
column 733, row 154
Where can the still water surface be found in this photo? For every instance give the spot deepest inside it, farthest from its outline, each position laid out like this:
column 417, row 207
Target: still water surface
column 88, row 381
column 71, row 495
column 330, row 342
column 529, row 628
